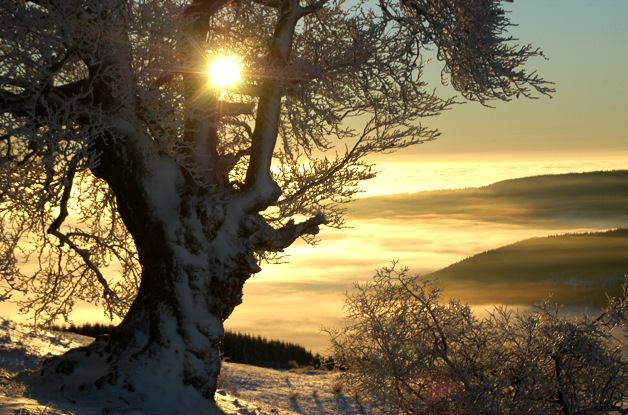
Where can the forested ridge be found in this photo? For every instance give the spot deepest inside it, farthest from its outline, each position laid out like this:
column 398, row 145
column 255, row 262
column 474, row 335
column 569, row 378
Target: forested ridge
column 575, row 269
column 259, row 351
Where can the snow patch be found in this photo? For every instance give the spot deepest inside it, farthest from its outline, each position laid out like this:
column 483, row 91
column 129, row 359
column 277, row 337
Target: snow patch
column 244, row 390
column 162, row 186
column 23, row 347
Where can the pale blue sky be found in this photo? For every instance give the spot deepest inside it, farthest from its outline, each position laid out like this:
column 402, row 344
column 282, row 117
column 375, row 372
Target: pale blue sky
column 587, row 46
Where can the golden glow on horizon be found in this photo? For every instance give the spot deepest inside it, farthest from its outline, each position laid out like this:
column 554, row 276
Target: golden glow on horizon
column 224, row 71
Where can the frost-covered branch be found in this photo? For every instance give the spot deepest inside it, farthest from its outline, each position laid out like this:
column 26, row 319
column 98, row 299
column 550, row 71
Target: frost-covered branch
column 54, row 229
column 265, row 238
column 481, row 63
column 260, row 187
column 405, row 349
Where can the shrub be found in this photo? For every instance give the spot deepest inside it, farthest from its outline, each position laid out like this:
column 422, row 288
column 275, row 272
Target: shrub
column 407, row 352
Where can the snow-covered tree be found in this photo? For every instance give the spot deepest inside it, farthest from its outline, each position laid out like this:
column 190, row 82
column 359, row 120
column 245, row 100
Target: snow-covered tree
column 129, row 179
column 406, row 351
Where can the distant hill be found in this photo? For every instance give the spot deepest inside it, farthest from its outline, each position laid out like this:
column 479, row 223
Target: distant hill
column 578, row 269
column 598, row 198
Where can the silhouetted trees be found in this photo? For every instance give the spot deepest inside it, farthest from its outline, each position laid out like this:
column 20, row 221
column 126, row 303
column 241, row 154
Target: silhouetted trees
column 86, row 329
column 258, row 351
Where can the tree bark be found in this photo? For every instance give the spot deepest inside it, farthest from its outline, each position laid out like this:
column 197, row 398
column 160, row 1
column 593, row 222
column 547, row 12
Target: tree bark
column 164, row 357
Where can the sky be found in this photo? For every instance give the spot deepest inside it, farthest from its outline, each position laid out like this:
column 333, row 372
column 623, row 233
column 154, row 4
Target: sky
column 586, row 45
column 583, row 127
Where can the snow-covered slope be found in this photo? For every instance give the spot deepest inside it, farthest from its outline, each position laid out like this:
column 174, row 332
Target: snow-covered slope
column 245, row 390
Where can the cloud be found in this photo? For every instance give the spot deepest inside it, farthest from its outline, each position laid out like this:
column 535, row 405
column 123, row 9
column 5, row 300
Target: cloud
column 597, row 198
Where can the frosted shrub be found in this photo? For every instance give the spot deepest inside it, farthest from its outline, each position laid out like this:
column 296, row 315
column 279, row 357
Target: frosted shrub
column 408, row 352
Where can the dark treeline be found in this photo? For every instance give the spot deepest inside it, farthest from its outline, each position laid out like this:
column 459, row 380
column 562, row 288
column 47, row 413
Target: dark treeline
column 87, row 329
column 235, row 347
column 258, row 351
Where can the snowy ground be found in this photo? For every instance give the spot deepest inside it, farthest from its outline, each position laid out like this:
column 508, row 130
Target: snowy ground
column 245, row 390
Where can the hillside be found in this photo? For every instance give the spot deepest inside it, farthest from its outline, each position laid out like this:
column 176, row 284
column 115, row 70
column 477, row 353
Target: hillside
column 578, row 269
column 598, row 198
column 244, row 389
column 235, row 347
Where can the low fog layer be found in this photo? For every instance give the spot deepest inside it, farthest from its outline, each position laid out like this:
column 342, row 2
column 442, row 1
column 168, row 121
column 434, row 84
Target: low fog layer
column 566, row 200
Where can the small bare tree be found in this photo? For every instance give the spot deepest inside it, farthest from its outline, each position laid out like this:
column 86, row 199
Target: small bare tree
column 407, row 352
column 128, row 179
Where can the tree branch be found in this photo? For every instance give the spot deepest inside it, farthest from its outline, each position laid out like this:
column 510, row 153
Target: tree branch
column 480, row 63
column 232, row 109
column 203, row 9
column 15, row 104
column 269, row 239
column 53, row 229
column 259, row 185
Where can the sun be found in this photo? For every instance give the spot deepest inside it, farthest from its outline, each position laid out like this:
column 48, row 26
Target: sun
column 224, row 71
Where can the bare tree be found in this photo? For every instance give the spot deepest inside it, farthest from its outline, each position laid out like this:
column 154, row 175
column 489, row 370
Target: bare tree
column 129, row 180
column 406, row 351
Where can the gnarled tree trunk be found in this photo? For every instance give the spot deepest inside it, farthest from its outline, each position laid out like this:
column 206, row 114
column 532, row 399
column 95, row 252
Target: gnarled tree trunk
column 196, row 237
column 119, row 87
column 196, row 256
column 197, row 245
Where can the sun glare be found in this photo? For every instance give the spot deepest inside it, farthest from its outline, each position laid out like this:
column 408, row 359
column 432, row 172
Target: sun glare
column 224, row 71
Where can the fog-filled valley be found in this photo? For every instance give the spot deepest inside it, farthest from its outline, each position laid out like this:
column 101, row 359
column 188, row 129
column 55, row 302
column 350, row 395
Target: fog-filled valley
column 578, row 270
column 432, row 230
column 566, row 239
column 594, row 199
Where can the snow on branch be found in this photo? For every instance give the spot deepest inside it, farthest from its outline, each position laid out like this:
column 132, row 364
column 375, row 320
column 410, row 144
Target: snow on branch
column 54, row 229
column 265, row 238
column 260, row 187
